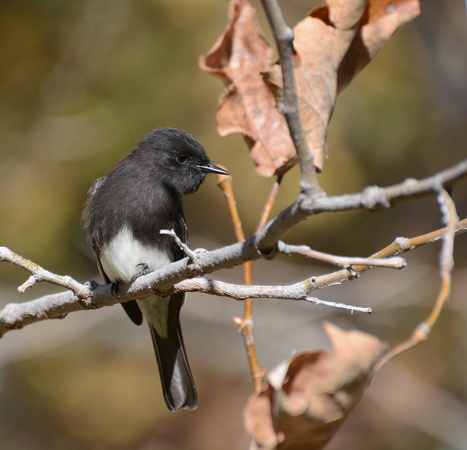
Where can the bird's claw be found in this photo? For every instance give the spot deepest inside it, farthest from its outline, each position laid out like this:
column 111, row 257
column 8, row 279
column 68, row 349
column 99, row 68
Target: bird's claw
column 114, row 290
column 144, row 271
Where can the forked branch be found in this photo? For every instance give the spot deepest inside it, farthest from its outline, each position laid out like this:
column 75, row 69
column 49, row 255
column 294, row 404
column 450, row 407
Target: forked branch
column 446, row 264
column 57, row 306
column 87, row 296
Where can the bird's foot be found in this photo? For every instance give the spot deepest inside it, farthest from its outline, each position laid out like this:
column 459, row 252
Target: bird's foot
column 144, row 271
column 92, row 285
column 114, row 289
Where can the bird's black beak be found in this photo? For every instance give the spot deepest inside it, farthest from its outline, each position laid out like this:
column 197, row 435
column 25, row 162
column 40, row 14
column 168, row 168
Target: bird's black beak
column 213, row 169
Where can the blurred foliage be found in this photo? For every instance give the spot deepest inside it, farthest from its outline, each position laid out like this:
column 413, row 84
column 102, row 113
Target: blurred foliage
column 81, row 82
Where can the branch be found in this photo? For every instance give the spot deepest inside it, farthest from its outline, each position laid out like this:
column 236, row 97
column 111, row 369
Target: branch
column 341, row 261
column 296, row 291
column 370, row 199
column 40, row 274
column 87, row 296
column 284, row 37
column 446, row 265
column 246, row 324
column 57, row 306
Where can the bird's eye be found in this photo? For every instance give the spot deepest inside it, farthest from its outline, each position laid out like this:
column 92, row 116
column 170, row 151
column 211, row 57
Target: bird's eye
column 181, row 159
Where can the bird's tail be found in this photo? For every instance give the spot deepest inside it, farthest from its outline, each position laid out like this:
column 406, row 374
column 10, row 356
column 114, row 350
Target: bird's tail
column 176, row 378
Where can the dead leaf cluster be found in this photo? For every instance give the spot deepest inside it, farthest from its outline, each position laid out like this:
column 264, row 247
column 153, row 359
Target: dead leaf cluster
column 332, row 44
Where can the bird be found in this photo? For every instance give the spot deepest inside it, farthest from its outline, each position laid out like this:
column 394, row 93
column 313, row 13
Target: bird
column 124, row 213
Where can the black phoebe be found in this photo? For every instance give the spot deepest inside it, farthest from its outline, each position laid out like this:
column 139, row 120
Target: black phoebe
column 125, row 212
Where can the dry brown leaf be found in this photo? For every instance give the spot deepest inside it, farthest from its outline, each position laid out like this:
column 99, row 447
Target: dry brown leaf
column 247, row 106
column 332, row 45
column 308, row 398
column 381, row 19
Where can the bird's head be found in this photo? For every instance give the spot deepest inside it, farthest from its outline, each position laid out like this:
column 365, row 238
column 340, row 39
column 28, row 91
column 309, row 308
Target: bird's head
column 176, row 158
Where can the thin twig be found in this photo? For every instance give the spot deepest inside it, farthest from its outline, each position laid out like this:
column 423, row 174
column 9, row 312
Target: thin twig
column 299, row 291
column 269, row 203
column 39, row 274
column 446, row 264
column 341, row 261
column 246, row 324
column 187, row 250
column 370, row 199
column 284, row 37
column 398, row 246
column 339, row 305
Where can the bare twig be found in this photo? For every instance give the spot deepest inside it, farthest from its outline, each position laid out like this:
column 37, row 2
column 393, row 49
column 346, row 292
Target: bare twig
column 246, row 324
column 400, row 245
column 446, row 264
column 269, row 203
column 187, row 250
column 339, row 305
column 284, row 37
column 341, row 261
column 296, row 291
column 370, row 199
column 40, row 274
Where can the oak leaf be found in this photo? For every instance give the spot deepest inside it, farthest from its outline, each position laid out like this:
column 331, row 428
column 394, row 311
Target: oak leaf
column 247, row 106
column 332, row 44
column 308, row 398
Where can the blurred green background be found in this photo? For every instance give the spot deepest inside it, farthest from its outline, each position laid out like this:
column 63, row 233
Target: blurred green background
column 81, row 82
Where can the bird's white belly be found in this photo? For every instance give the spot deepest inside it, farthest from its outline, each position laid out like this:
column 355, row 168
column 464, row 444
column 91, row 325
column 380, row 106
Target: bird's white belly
column 124, row 257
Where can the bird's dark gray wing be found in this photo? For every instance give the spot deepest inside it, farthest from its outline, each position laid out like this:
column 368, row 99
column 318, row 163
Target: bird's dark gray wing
column 91, row 191
column 131, row 307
